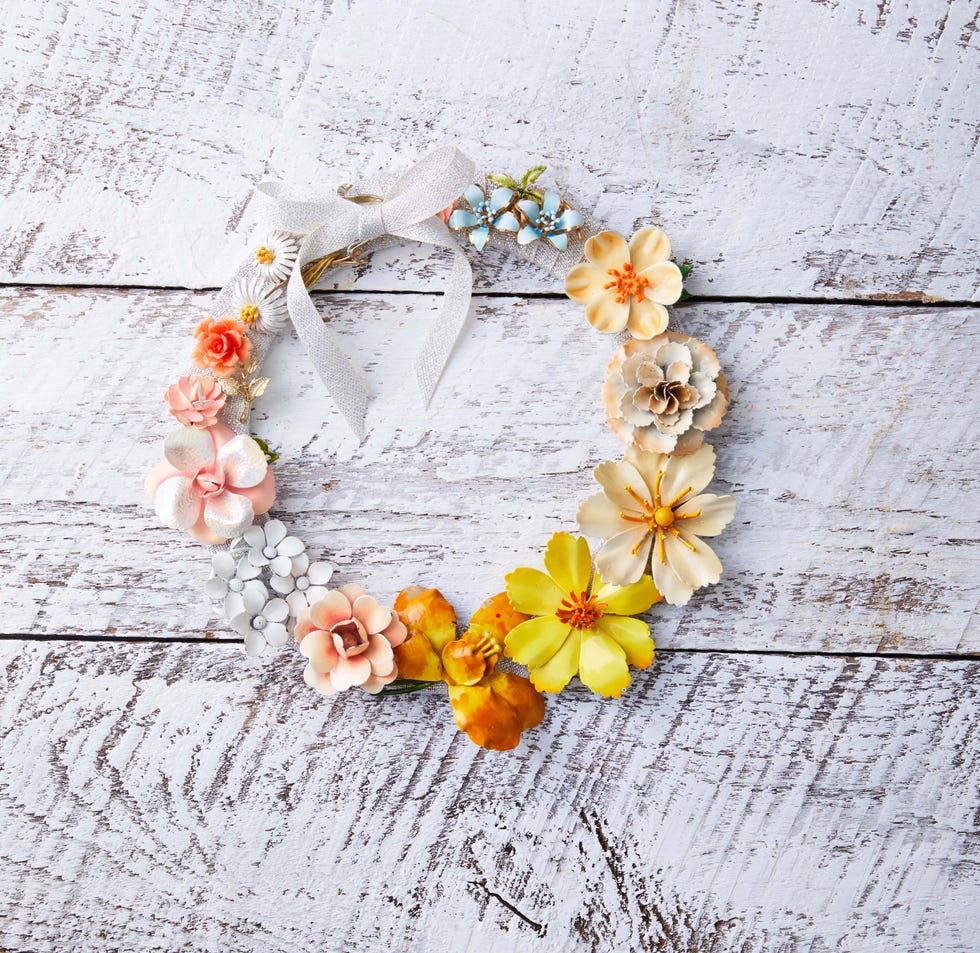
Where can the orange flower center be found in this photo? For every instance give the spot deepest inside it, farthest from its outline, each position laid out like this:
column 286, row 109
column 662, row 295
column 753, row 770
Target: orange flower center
column 249, row 314
column 626, row 283
column 580, row 610
column 263, row 256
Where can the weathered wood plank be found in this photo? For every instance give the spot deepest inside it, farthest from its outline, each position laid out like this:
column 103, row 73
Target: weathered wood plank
column 164, row 797
column 132, row 137
column 852, row 472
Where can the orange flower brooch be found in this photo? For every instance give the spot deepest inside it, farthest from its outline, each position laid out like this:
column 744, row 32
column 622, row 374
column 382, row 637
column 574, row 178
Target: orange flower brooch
column 579, row 615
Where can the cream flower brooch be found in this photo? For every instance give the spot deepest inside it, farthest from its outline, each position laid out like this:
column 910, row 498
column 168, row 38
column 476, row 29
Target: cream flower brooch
column 584, row 619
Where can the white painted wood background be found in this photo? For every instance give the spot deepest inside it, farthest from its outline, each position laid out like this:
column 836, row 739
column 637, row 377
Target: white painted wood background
column 798, row 771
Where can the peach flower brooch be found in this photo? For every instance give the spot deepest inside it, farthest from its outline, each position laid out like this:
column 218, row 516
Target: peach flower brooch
column 581, row 615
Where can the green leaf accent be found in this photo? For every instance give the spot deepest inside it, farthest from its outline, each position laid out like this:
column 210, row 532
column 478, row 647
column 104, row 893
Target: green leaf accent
column 270, row 455
column 505, row 180
column 404, row 686
column 686, row 270
column 685, row 294
column 533, row 174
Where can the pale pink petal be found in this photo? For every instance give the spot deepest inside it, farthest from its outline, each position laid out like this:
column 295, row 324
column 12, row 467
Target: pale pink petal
column 649, row 246
column 352, row 591
column 189, row 450
column 396, row 633
column 319, row 681
column 331, row 609
column 380, row 655
column 263, row 495
column 228, row 514
column 623, row 559
column 372, row 616
column 243, row 462
column 318, row 647
column 351, row 671
column 176, row 503
column 376, row 682
column 156, row 475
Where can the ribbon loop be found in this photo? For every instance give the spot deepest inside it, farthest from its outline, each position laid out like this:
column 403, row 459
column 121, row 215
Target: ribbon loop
column 408, row 209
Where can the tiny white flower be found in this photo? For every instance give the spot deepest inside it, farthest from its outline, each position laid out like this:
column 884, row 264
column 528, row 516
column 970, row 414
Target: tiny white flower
column 275, row 257
column 230, row 579
column 306, row 584
column 270, row 546
column 256, row 306
column 262, row 620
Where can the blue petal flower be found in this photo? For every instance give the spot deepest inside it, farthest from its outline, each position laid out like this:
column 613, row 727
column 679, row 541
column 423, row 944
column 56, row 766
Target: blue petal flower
column 551, row 203
column 499, row 198
column 508, row 222
column 570, row 219
column 479, row 236
column 559, row 240
column 474, row 196
column 527, row 235
column 530, row 208
column 462, row 218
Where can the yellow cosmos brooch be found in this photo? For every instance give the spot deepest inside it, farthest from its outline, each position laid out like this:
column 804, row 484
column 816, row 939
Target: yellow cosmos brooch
column 579, row 615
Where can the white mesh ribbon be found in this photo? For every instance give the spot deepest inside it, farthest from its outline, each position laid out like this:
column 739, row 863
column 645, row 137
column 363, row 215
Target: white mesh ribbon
column 408, row 210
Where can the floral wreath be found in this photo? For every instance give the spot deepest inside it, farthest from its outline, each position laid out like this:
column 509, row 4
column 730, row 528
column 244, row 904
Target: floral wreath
column 663, row 391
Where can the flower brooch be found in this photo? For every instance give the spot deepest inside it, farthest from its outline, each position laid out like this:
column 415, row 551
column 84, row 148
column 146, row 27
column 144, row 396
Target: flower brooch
column 581, row 617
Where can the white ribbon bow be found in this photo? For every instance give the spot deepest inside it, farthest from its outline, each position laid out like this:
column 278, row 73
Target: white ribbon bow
column 408, row 210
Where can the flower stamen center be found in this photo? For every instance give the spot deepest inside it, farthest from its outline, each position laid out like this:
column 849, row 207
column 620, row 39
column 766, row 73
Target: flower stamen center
column 659, row 518
column 580, row 610
column 264, row 256
column 249, row 314
column 627, row 282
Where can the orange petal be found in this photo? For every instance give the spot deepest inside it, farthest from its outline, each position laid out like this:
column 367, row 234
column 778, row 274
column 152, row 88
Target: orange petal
column 462, row 665
column 496, row 617
column 490, row 721
column 416, row 658
column 426, row 612
column 521, row 695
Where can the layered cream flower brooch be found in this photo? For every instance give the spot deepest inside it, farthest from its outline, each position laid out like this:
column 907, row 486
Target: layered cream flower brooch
column 578, row 614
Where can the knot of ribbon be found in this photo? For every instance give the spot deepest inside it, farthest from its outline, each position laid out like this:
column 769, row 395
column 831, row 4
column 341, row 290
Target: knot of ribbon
column 407, row 209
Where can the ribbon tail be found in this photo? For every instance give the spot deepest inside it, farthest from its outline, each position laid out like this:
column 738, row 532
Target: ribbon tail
column 343, row 383
column 438, row 344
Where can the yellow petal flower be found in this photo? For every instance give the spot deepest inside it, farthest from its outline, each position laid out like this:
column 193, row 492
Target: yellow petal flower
column 602, row 665
column 533, row 642
column 628, row 600
column 569, row 562
column 632, row 636
column 532, row 592
column 559, row 670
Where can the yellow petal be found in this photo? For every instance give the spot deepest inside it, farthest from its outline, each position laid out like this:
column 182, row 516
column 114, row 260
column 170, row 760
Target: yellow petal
column 647, row 318
column 416, row 658
column 629, row 600
column 462, row 664
column 602, row 665
column 666, row 282
column 533, row 642
column 649, row 246
column 559, row 670
column 426, row 612
column 496, row 617
column 569, row 562
column 517, row 690
column 632, row 636
column 489, row 722
column 607, row 250
column 585, row 282
column 606, row 314
column 533, row 592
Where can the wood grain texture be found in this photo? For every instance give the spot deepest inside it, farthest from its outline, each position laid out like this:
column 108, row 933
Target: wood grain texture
column 175, row 797
column 796, row 149
column 855, row 529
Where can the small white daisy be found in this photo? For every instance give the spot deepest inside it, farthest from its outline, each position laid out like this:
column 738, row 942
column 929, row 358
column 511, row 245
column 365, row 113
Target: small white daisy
column 256, row 306
column 275, row 257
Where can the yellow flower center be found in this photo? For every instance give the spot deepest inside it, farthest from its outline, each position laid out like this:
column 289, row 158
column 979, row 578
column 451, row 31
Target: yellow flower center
column 580, row 610
column 249, row 314
column 626, row 283
column 659, row 518
column 263, row 256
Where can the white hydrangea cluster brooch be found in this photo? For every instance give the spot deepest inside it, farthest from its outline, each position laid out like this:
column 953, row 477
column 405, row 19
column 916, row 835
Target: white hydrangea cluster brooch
column 579, row 615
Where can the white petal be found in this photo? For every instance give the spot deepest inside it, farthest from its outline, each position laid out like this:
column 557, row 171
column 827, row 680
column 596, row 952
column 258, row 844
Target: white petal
column 243, row 462
column 275, row 532
column 176, row 504
column 624, row 557
column 234, row 605
column 699, row 568
column 189, row 449
column 254, row 597
column 276, row 634
column 694, row 471
column 319, row 573
column 315, row 593
column 716, row 514
column 246, row 570
column 282, row 584
column 600, row 517
column 257, row 558
column 216, row 587
column 254, row 642
column 228, row 514
column 615, row 477
column 223, row 565
column 647, row 464
column 676, row 592
column 290, row 546
column 255, row 537
column 281, row 565
column 276, row 610
column 242, row 623
column 301, row 564
column 299, row 602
